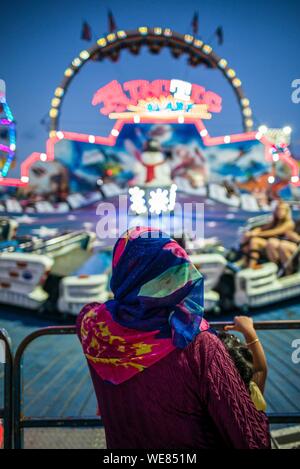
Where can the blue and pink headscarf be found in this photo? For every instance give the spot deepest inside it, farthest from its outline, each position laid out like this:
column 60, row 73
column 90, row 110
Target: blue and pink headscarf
column 157, row 307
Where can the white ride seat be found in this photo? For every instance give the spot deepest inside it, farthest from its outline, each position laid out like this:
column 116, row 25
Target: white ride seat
column 211, row 267
column 75, row 292
column 260, row 287
column 22, row 276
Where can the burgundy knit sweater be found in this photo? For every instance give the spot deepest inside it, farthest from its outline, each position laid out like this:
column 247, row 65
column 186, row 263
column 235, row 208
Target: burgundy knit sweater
column 192, row 399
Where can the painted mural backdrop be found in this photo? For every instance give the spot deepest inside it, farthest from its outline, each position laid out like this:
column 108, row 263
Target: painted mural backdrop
column 78, row 166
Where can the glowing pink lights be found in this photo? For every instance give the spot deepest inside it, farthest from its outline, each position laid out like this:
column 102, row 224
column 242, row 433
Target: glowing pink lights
column 282, row 152
column 4, row 148
column 140, row 97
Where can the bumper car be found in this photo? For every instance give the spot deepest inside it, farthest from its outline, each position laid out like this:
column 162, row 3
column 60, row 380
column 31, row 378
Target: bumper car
column 212, row 267
column 253, row 288
column 208, row 255
column 75, row 292
column 227, row 287
column 31, row 266
column 268, row 284
column 22, row 277
column 264, row 286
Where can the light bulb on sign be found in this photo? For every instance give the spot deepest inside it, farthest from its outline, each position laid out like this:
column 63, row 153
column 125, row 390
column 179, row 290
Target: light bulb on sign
column 287, row 130
column 263, row 129
column 138, row 203
column 115, row 132
column 271, row 179
column 172, row 197
column 158, row 201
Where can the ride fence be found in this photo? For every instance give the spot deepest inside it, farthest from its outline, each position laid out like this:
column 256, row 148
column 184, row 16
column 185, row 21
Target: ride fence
column 48, row 427
column 6, row 371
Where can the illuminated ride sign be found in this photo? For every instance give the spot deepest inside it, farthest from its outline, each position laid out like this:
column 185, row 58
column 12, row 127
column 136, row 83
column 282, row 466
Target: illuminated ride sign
column 168, row 101
column 157, row 99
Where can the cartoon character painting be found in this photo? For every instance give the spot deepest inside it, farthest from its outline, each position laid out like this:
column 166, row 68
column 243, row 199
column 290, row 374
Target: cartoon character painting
column 152, row 168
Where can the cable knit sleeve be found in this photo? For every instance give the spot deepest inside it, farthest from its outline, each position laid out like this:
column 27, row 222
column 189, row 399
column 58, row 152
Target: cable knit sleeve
column 229, row 403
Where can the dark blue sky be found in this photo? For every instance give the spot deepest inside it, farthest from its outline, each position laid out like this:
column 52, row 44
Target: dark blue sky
column 40, row 38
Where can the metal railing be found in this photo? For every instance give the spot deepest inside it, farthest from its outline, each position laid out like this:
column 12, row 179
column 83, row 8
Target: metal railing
column 6, row 413
column 21, row 422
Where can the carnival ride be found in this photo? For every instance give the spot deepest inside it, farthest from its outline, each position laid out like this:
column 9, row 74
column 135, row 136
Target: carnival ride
column 28, row 264
column 193, row 102
column 228, row 287
column 160, row 173
column 225, row 290
column 270, row 283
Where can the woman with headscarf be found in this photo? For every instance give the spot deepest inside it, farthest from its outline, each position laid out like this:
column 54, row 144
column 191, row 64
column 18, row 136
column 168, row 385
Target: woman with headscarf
column 162, row 377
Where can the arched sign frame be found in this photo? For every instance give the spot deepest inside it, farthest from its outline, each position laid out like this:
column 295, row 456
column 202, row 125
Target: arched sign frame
column 155, row 39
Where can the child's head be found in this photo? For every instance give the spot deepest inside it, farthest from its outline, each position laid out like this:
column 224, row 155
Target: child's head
column 282, row 212
column 240, row 354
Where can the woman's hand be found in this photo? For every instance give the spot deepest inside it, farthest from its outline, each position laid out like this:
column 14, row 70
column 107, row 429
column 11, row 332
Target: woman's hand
column 245, row 325
column 293, row 236
column 252, row 233
column 255, row 232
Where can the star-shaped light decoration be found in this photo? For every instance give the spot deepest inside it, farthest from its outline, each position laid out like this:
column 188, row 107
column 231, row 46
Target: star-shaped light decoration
column 138, row 203
column 159, row 201
column 172, row 197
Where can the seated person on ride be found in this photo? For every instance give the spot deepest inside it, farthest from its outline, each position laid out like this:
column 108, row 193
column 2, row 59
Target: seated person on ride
column 285, row 251
column 262, row 241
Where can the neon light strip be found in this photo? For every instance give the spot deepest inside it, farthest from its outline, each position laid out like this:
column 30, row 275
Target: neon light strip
column 25, row 167
column 85, row 138
column 111, row 140
column 12, row 138
column 8, row 111
column 12, row 182
column 161, row 115
column 4, row 148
